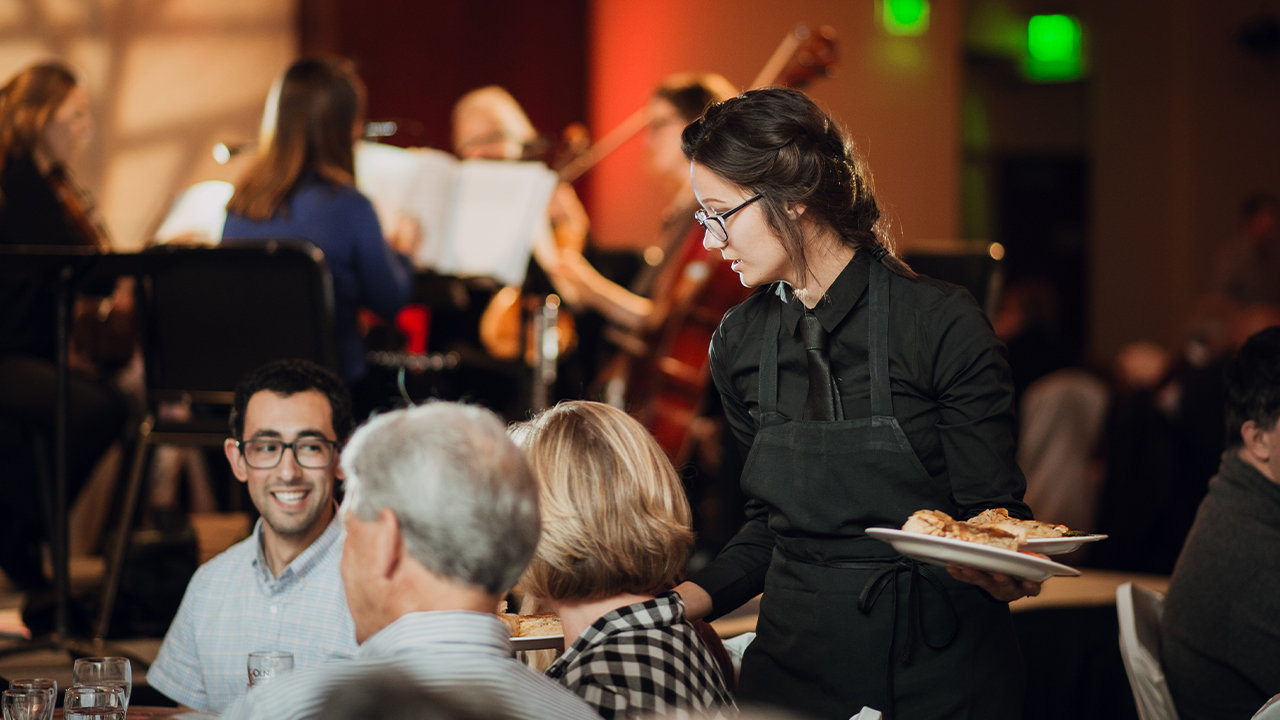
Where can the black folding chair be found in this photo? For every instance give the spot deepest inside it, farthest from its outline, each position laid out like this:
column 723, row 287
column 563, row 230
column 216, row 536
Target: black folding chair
column 208, row 317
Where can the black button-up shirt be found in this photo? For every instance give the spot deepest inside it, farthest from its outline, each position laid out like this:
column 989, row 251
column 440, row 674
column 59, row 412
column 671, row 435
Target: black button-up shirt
column 950, row 382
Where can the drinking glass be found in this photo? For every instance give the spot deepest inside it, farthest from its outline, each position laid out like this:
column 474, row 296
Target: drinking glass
column 104, row 671
column 94, row 702
column 267, row 665
column 35, row 684
column 27, row 704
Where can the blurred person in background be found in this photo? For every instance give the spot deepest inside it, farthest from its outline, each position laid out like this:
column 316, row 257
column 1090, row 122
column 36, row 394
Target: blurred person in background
column 45, row 126
column 393, row 696
column 1221, row 620
column 615, row 539
column 1248, row 270
column 302, row 185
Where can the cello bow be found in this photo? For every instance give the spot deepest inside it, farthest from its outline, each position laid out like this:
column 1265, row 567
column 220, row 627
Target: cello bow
column 801, row 56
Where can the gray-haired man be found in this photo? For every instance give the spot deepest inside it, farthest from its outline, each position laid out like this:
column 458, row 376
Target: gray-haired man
column 441, row 515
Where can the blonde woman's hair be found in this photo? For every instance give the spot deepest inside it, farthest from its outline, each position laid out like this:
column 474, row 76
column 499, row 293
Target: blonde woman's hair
column 499, row 106
column 615, row 518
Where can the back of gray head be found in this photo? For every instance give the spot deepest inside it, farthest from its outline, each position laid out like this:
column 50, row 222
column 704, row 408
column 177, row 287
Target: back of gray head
column 462, row 491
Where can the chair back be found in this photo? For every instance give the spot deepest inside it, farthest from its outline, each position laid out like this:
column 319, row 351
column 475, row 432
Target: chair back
column 211, row 315
column 1139, row 612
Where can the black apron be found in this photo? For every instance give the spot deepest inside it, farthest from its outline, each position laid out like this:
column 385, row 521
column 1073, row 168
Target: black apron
column 845, row 621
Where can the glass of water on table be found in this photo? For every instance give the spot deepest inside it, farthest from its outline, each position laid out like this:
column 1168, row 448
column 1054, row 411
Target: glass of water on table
column 28, row 703
column 94, row 702
column 104, row 671
column 267, row 665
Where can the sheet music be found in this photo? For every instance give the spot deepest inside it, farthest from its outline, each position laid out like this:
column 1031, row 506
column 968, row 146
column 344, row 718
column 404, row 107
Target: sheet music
column 478, row 217
column 497, row 211
column 197, row 214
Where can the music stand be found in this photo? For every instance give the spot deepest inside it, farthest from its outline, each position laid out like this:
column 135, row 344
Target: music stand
column 70, row 264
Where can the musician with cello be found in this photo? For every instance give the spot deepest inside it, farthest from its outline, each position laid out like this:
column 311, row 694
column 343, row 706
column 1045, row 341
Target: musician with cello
column 44, row 125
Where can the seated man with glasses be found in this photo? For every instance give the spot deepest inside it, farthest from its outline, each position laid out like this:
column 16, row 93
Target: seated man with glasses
column 280, row 589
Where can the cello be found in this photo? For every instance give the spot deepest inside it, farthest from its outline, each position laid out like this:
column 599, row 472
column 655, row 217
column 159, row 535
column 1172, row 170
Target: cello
column 668, row 370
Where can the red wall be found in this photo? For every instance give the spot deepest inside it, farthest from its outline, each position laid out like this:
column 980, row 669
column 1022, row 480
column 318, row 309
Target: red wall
column 418, row 57
column 899, row 98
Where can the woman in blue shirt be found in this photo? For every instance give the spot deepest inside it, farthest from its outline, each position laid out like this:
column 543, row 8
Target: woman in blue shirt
column 302, row 185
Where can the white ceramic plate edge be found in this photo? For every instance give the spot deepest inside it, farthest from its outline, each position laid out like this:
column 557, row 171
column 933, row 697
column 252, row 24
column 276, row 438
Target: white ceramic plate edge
column 538, row 642
column 948, row 551
column 1062, row 545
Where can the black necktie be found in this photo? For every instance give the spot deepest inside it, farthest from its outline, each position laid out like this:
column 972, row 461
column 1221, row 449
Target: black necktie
column 822, row 402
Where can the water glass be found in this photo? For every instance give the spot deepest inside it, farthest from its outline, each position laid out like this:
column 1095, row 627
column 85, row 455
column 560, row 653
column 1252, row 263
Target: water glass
column 267, row 665
column 104, row 671
column 27, row 704
column 34, row 684
column 94, row 702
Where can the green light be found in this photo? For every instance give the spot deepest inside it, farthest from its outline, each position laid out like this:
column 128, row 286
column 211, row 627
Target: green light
column 905, row 17
column 1054, row 48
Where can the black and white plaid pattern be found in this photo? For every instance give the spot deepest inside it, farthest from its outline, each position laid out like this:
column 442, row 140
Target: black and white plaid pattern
column 644, row 658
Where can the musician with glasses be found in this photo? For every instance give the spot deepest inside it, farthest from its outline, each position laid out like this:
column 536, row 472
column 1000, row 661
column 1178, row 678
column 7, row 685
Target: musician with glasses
column 280, row 589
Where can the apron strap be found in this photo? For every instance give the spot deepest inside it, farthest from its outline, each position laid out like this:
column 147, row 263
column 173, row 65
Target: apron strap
column 769, row 358
column 878, row 339
column 888, row 573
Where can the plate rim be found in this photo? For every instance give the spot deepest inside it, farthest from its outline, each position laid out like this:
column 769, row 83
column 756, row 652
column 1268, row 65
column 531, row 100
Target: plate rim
column 1091, row 537
column 1055, row 569
column 541, row 642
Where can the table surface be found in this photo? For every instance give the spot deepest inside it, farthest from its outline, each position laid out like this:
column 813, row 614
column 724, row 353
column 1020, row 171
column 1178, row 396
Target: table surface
column 1092, row 589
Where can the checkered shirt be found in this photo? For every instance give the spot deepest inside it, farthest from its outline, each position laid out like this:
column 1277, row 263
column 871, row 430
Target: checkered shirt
column 645, row 658
column 233, row 606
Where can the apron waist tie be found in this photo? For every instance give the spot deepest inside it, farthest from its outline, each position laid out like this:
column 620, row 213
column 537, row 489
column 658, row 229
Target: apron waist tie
column 915, row 621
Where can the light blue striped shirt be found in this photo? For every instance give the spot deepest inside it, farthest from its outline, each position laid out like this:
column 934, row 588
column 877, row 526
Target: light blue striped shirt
column 464, row 654
column 233, row 606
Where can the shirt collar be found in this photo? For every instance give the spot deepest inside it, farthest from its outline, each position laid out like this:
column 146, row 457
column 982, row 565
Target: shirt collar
column 306, row 560
column 660, row 612
column 411, row 632
column 843, row 294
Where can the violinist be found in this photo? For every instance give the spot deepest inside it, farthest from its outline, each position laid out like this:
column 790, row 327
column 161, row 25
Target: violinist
column 678, row 101
column 489, row 124
column 44, row 126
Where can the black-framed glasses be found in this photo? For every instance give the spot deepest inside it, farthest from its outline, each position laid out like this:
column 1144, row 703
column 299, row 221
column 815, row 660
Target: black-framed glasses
column 313, row 453
column 713, row 221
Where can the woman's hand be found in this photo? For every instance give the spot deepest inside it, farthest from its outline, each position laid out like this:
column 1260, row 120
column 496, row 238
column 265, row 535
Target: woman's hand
column 697, row 602
column 998, row 585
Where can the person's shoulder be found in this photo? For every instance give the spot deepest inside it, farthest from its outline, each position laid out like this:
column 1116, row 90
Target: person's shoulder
column 741, row 318
column 931, row 294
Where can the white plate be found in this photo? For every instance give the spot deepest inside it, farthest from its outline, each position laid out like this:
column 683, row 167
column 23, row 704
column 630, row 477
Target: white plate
column 946, row 551
column 1062, row 545
column 538, row 642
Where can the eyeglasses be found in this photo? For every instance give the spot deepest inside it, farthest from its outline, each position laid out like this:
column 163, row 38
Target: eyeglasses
column 265, row 453
column 713, row 222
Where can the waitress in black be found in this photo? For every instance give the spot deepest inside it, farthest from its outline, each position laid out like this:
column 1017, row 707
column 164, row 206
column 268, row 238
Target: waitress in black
column 864, row 392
